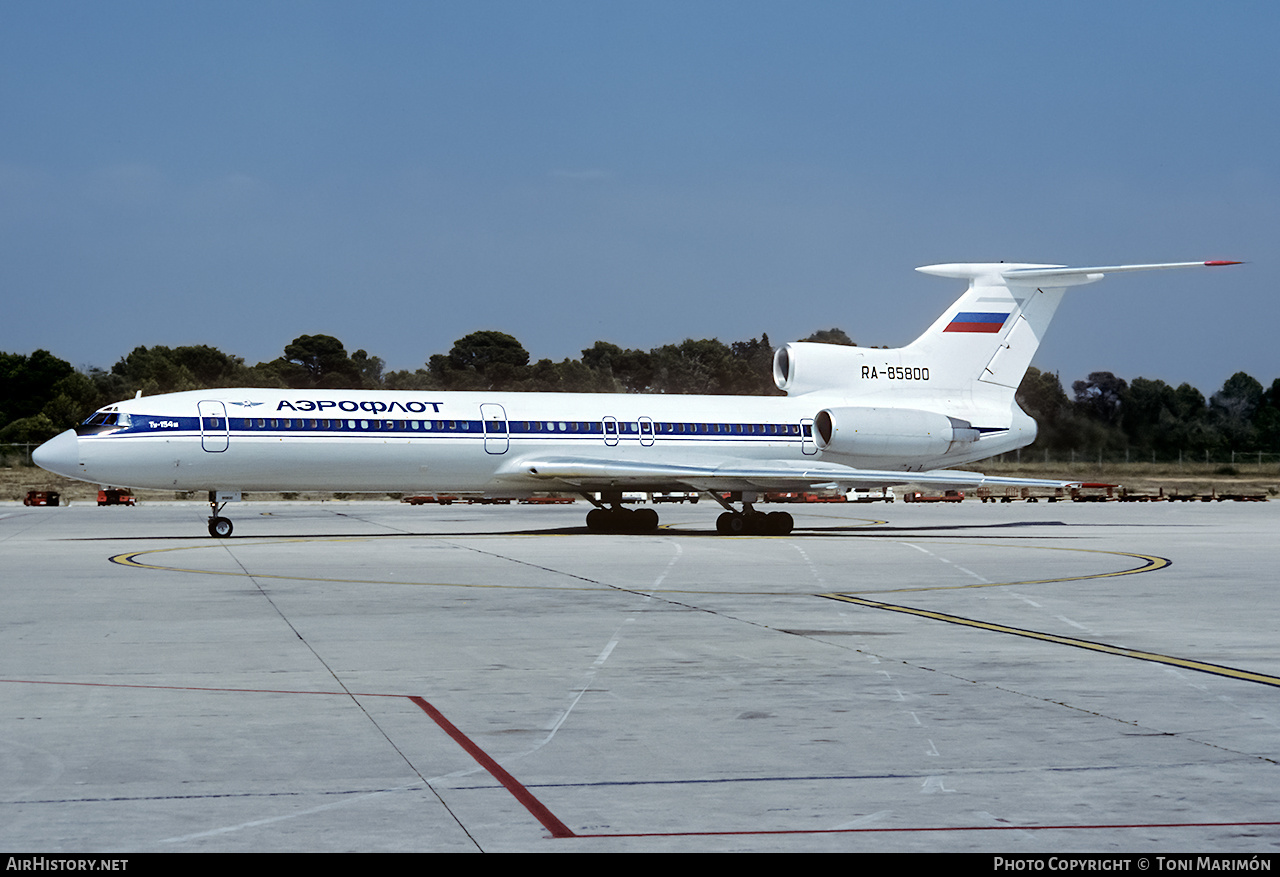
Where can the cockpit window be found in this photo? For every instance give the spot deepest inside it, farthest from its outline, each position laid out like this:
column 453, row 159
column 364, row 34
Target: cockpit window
column 103, row 421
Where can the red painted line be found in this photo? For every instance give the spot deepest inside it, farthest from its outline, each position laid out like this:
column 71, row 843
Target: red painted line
column 512, row 785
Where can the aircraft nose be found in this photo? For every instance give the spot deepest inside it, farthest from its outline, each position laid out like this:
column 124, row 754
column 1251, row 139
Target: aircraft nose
column 60, row 454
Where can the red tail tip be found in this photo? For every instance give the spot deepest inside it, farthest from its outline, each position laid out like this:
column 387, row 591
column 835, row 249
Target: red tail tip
column 1223, row 262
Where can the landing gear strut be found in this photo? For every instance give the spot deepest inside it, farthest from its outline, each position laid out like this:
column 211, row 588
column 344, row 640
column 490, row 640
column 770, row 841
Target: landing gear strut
column 750, row 522
column 220, row 527
column 615, row 518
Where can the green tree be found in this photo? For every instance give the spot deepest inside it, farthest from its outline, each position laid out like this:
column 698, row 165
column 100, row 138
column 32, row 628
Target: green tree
column 419, row 379
column 1101, row 396
column 75, row 397
column 1267, row 419
column 481, row 361
column 1234, row 408
column 1148, row 414
column 691, row 366
column 27, row 383
column 753, row 368
column 162, row 369
column 628, row 370
column 29, row 430
column 831, row 336
column 321, row 361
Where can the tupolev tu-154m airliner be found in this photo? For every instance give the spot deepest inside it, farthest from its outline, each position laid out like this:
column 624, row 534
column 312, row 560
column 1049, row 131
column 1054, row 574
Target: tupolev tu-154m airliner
column 852, row 417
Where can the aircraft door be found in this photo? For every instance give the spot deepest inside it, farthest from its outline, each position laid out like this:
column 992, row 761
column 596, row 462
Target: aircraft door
column 497, row 437
column 806, row 437
column 610, row 431
column 215, row 429
column 646, row 431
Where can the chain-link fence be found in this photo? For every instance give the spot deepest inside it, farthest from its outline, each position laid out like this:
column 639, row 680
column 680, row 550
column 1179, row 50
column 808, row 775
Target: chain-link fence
column 1237, row 459
column 18, row 454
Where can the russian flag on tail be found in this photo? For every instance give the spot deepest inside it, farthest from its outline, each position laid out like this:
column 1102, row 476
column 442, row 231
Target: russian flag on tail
column 971, row 321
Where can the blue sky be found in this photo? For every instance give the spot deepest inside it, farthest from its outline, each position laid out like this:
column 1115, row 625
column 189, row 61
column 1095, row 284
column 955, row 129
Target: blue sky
column 399, row 174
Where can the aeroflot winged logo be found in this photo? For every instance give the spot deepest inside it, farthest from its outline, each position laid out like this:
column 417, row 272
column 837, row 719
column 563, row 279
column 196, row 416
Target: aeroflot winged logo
column 973, row 321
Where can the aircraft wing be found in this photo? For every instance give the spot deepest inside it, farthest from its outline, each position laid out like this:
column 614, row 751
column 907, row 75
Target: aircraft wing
column 592, row 474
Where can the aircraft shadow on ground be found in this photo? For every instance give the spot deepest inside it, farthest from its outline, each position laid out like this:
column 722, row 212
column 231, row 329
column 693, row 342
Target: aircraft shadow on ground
column 867, row 530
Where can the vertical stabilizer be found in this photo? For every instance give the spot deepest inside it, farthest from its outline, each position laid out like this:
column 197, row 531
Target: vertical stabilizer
column 975, row 354
column 991, row 332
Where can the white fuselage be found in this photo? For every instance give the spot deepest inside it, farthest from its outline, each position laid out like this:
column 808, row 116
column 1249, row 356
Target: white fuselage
column 399, row 441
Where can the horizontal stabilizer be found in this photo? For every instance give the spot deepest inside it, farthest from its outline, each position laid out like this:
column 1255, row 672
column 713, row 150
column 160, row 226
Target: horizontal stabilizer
column 1021, row 274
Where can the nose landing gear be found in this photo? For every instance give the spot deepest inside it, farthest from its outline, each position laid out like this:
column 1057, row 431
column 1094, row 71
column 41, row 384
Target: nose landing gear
column 220, row 527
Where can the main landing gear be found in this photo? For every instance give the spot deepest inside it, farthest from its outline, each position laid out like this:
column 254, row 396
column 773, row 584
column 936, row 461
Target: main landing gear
column 220, row 527
column 750, row 522
column 616, row 518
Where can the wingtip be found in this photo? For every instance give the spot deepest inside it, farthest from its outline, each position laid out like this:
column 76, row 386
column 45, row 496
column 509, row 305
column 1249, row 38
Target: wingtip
column 1215, row 262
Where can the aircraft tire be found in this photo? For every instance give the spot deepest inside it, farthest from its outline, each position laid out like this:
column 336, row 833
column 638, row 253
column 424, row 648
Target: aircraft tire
column 220, row 528
column 779, row 523
column 645, row 520
column 598, row 520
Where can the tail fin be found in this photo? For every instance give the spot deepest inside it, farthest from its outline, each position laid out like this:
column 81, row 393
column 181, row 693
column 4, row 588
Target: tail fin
column 992, row 331
column 978, row 350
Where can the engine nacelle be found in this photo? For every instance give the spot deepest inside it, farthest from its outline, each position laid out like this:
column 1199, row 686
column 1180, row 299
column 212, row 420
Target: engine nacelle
column 904, row 434
column 805, row 366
